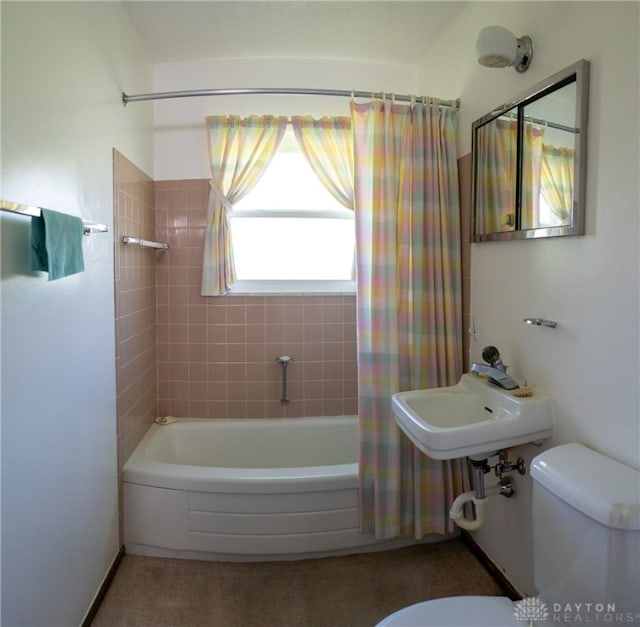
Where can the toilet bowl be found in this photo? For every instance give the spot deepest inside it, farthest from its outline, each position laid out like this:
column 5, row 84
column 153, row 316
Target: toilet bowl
column 586, row 519
column 466, row 611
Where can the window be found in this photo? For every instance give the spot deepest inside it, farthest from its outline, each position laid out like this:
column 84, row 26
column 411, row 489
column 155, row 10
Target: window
column 289, row 233
column 546, row 217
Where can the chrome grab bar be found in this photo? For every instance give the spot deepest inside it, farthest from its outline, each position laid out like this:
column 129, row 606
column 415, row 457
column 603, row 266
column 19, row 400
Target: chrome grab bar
column 284, row 361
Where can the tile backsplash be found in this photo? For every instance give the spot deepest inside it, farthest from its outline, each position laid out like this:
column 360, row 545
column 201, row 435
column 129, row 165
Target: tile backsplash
column 217, row 355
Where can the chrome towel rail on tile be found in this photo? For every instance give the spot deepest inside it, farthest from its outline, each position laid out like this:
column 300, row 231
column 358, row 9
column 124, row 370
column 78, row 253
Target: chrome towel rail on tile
column 145, row 243
column 34, row 212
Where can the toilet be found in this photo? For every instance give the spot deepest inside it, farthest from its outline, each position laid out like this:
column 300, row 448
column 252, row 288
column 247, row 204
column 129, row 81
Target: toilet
column 586, row 551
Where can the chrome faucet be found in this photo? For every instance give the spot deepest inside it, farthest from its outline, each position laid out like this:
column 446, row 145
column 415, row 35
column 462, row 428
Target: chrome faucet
column 496, row 370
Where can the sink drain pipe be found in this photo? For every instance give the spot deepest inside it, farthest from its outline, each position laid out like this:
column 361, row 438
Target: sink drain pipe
column 481, row 494
column 456, row 512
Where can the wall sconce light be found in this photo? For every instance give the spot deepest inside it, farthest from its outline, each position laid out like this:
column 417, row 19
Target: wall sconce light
column 498, row 47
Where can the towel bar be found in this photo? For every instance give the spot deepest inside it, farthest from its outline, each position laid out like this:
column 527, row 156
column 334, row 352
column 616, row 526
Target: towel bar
column 144, row 242
column 541, row 322
column 34, row 212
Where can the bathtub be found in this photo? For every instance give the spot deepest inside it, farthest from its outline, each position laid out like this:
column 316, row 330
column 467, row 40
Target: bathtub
column 246, row 490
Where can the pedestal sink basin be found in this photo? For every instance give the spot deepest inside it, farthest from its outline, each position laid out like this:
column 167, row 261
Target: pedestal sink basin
column 472, row 418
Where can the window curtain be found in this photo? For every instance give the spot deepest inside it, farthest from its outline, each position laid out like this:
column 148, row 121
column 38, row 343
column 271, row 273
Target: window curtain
column 496, row 194
column 408, row 305
column 557, row 180
column 327, row 144
column 240, row 149
column 531, row 168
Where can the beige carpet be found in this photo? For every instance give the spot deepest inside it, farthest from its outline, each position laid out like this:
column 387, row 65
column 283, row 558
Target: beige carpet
column 356, row 590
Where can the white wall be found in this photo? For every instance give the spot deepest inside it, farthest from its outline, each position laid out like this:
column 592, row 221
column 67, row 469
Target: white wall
column 63, row 68
column 589, row 284
column 180, row 136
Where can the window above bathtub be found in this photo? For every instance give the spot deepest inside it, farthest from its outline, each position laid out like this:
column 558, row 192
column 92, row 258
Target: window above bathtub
column 289, row 234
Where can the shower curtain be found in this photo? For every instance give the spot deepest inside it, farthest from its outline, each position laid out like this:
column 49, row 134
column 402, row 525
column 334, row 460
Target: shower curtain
column 496, row 194
column 409, row 305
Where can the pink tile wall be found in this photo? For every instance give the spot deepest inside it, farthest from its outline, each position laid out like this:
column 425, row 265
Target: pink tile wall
column 135, row 305
column 217, row 356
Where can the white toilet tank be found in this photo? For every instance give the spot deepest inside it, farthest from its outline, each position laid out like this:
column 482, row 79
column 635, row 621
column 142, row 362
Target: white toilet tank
column 586, row 536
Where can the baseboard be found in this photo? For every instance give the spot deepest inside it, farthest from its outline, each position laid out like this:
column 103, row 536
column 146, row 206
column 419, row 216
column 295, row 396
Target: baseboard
column 505, row 585
column 93, row 610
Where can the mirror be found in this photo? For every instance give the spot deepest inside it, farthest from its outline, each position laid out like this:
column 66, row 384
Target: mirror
column 529, row 161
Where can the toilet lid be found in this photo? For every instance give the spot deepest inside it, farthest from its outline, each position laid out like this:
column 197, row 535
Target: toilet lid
column 464, row 611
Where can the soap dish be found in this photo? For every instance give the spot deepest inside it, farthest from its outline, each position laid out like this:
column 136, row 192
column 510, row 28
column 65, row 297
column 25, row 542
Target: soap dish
column 523, row 391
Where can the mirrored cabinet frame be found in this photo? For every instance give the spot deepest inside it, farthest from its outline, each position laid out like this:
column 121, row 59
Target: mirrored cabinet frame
column 514, row 227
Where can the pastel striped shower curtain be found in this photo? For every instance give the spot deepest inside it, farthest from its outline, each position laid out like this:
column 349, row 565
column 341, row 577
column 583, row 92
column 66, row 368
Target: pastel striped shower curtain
column 409, row 305
column 496, row 201
column 496, row 193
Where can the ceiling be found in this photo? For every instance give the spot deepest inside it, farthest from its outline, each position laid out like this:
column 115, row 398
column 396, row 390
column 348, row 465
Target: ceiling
column 385, row 31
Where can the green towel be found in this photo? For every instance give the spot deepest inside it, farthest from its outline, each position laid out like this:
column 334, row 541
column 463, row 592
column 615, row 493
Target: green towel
column 56, row 244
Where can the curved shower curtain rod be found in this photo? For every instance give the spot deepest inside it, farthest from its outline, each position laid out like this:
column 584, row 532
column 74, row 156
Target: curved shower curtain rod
column 165, row 95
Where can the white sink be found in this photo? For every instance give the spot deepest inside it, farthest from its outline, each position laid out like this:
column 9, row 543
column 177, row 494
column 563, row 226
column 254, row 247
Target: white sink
column 473, row 417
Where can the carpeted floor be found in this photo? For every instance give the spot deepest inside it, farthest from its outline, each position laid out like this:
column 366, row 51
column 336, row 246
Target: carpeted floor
column 351, row 591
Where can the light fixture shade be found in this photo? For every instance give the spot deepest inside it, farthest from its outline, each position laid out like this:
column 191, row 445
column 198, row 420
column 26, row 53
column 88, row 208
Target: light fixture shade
column 498, row 47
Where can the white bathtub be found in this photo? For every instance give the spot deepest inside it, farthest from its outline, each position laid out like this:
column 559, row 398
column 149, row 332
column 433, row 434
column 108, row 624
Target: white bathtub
column 246, row 490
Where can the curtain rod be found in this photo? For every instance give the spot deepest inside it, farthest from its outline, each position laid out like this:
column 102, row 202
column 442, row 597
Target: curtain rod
column 127, row 98
column 542, row 122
